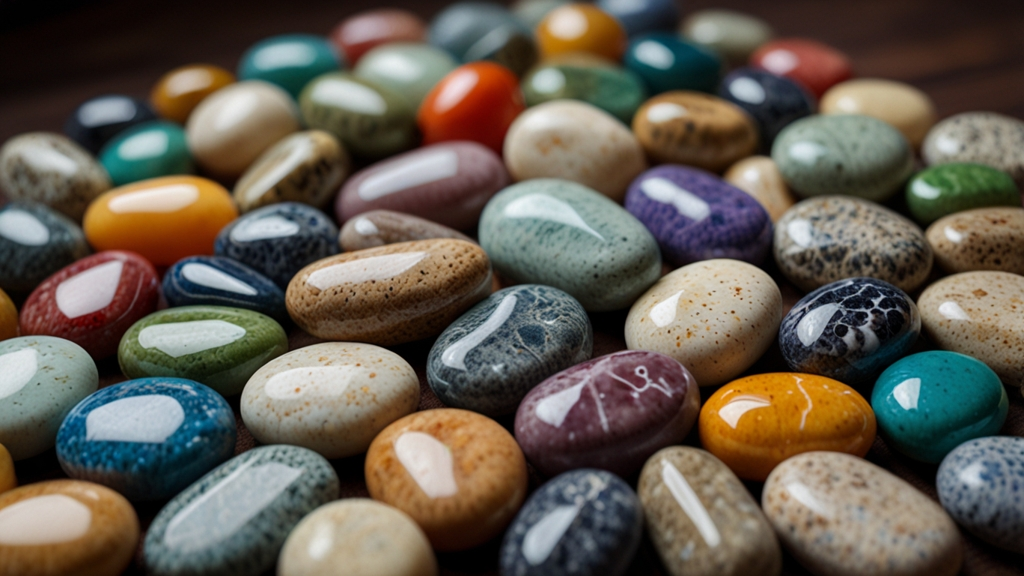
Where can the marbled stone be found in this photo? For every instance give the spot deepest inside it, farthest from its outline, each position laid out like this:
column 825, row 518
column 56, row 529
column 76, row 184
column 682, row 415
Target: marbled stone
column 667, row 62
column 381, row 227
column 715, row 317
column 639, row 16
column 332, row 398
column 903, row 106
column 289, row 61
column 407, row 69
column 582, row 523
column 484, row 31
column 814, row 65
column 179, row 91
column 568, row 236
column 8, row 480
column 8, row 317
column 980, row 137
column 35, row 242
column 950, row 188
column 499, row 350
column 773, row 101
column 99, row 119
column 760, row 177
column 615, row 90
column 219, row 281
column 235, row 519
column 843, row 516
column 829, row 238
column 361, row 32
column 849, row 330
column 702, row 519
column 734, row 35
column 580, row 27
column 147, row 439
column 147, row 150
column 980, row 239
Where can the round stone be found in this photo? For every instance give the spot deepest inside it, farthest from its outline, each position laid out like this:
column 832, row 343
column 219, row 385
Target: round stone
column 980, row 239
column 814, row 65
column 363, row 31
column 407, row 69
column 35, row 242
column 581, row 28
column 289, row 61
column 902, row 106
column 531, row 12
column 639, row 16
column 774, row 102
column 615, row 90
column 979, row 137
column 667, row 62
column 179, row 91
column 219, row 281
column 147, row 150
column 99, row 119
column 484, row 31
column 381, row 227
column 734, row 35
column 949, row 188
column 760, row 177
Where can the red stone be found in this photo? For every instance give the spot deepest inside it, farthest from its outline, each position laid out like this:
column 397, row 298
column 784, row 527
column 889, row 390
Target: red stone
column 357, row 34
column 814, row 65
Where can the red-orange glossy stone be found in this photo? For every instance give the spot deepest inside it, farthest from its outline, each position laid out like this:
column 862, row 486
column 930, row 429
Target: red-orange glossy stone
column 357, row 34
column 814, row 65
column 475, row 102
column 581, row 28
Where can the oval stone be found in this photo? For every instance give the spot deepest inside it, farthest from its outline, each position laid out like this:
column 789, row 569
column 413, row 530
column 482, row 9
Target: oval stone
column 582, row 523
column 760, row 177
column 279, row 240
column 94, row 301
column 949, row 188
column 734, row 35
column 99, row 119
column 362, row 31
column 381, row 227
column 35, row 242
column 290, row 61
column 754, row 423
column 148, row 439
column 458, row 474
column 163, row 219
column 41, row 380
column 148, row 150
column 849, row 330
column 407, row 69
column 179, row 91
column 218, row 281
column 639, row 16
column 814, row 65
column 532, row 12
column 499, row 350
column 332, row 398
column 847, row 154
column 235, row 519
column 842, row 515
column 702, row 519
column 581, row 27
column 213, row 345
column 612, row 413
column 447, row 183
column 52, row 170
column 980, row 137
column 666, row 62
column 615, row 90
column 978, row 314
column 902, row 106
column 8, row 317
column 568, row 236
column 66, row 527
column 773, row 101
column 715, row 317
column 8, row 480
column 980, row 239
column 484, row 31
column 829, row 238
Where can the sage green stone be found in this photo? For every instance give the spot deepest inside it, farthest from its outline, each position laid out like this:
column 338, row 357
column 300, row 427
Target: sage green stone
column 410, row 70
column 950, row 188
column 214, row 345
column 617, row 91
column 734, row 35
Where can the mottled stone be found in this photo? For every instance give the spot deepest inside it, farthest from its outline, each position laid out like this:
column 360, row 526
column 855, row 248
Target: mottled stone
column 774, row 102
column 760, row 177
column 148, row 150
column 290, row 61
column 734, row 35
column 407, row 69
column 981, row 239
column 666, row 62
column 980, row 137
column 35, row 242
column 219, row 281
column 903, row 106
column 950, row 188
column 484, row 31
column 381, row 227
column 814, row 65
column 99, row 119
column 615, row 90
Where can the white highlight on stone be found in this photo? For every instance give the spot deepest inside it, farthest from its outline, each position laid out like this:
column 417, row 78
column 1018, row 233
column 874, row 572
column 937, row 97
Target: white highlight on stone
column 567, row 24
column 317, row 381
column 366, row 227
column 922, row 189
column 801, row 232
column 802, row 494
column 429, row 462
column 544, row 207
column 813, row 324
column 664, row 313
column 179, row 339
column 747, row 90
column 907, row 393
column 397, row 66
column 213, row 278
column 228, row 506
column 423, row 169
column 16, row 370
column 280, row 55
column 690, row 503
column 46, row 159
column 548, row 80
column 685, row 202
column 235, row 108
column 44, row 520
column 553, row 409
column 89, row 291
column 322, row 540
column 810, row 404
column 264, row 229
column 456, row 87
column 953, row 235
column 654, row 54
column 350, row 95
column 24, row 228
column 807, row 152
column 301, row 148
column 665, row 111
column 144, row 145
column 971, row 474
column 454, row 356
column 542, row 537
column 162, row 200
column 740, row 405
column 947, row 144
column 148, row 418
column 952, row 311
column 364, row 270
column 780, row 61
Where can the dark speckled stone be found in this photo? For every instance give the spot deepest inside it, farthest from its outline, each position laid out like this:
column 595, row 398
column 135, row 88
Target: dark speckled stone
column 99, row 119
column 582, row 523
column 234, row 520
column 495, row 353
column 849, row 330
column 219, row 281
column 35, row 242
column 698, row 216
column 986, row 138
column 773, row 101
column 279, row 240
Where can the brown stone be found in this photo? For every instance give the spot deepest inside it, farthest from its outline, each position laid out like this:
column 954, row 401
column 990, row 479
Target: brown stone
column 981, row 239
column 381, row 227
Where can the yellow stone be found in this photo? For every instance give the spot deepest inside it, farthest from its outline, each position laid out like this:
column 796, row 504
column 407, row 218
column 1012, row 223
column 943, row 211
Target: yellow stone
column 8, row 481
column 760, row 177
column 8, row 317
column 906, row 108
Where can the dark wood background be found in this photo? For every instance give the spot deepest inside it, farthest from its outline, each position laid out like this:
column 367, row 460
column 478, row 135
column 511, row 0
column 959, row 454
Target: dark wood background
column 967, row 55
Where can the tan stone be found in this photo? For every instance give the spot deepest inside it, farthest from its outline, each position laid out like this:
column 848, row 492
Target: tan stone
column 760, row 177
column 904, row 107
column 981, row 239
column 381, row 227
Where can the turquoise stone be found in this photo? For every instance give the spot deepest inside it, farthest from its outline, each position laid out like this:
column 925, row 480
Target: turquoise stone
column 927, row 404
column 563, row 234
column 408, row 69
column 617, row 91
column 213, row 345
column 948, row 188
column 149, row 150
column 290, row 61
column 667, row 62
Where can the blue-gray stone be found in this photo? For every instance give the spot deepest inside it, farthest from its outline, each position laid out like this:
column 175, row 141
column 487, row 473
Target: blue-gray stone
column 219, row 281
column 35, row 242
column 774, row 102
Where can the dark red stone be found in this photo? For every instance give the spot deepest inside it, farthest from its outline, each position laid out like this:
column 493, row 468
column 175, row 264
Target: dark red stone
column 815, row 66
column 357, row 34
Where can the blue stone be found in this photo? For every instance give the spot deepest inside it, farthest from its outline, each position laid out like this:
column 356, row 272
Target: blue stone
column 279, row 240
column 581, row 523
column 667, row 62
column 849, row 330
column 499, row 350
column 35, row 242
column 235, row 519
column 981, row 485
column 289, row 61
column 696, row 215
column 640, row 16
column 927, row 404
column 772, row 101
column 147, row 438
column 99, row 119
column 219, row 281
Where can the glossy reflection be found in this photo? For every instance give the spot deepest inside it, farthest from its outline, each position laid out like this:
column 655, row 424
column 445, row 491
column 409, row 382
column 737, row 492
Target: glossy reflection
column 179, row 91
column 666, row 62
column 289, row 61
column 581, row 28
column 99, row 119
column 361, row 32
column 148, row 150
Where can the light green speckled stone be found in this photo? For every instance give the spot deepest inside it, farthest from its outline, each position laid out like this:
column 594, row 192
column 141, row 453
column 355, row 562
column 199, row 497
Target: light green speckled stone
column 565, row 235
column 408, row 69
column 214, row 345
column 848, row 154
column 949, row 188
column 617, row 91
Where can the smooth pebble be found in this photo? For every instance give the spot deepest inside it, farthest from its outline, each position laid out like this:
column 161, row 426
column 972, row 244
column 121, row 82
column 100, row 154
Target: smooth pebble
column 148, row 150
column 979, row 239
column 774, row 102
column 381, row 227
column 289, row 61
column 760, row 177
column 980, row 137
column 219, row 281
column 99, row 119
column 35, row 242
column 903, row 106
column 950, row 188
column 734, row 35
column 615, row 90
column 407, row 69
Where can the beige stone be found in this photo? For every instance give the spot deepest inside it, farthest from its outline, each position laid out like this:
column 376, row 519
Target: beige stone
column 381, row 227
column 760, row 177
column 732, row 34
column 981, row 239
column 903, row 106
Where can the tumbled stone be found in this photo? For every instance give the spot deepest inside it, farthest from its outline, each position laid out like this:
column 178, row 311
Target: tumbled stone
column 381, row 227
column 760, row 177
column 980, row 239
column 179, row 91
column 950, row 188
column 814, row 65
column 99, row 119
column 219, row 281
column 772, row 101
column 903, row 106
column 981, row 137
column 407, row 69
column 290, row 61
column 148, row 150
column 734, row 35
column 615, row 90
column 35, row 242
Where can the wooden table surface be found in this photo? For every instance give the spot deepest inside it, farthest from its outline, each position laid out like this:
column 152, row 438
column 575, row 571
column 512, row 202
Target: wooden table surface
column 967, row 55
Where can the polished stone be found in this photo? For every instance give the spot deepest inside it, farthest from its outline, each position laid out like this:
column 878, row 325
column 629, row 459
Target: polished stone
column 734, row 35
column 667, row 62
column 408, row 69
column 179, row 91
column 35, row 242
column 615, row 90
column 773, row 101
column 363, row 31
column 219, row 281
column 903, row 106
column 980, row 239
column 581, row 27
column 950, row 188
column 381, row 227
column 484, row 31
column 289, row 61
column 981, row 137
column 640, row 16
column 99, row 119
column 147, row 150
column 814, row 65
column 760, row 177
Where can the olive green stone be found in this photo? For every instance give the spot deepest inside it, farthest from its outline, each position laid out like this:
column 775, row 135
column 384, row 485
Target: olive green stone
column 949, row 188
column 214, row 345
column 617, row 91
column 408, row 69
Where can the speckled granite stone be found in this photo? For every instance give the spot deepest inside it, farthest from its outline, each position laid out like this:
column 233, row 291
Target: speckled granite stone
column 35, row 242
column 773, row 101
column 380, row 227
column 983, row 137
column 219, row 281
column 981, row 239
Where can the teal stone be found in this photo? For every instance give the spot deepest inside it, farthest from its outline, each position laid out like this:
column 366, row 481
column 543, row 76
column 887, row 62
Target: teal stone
column 565, row 235
column 291, row 61
column 408, row 69
column 927, row 404
column 41, row 379
column 667, row 62
column 234, row 520
column 948, row 188
column 213, row 345
column 617, row 91
column 845, row 154
column 148, row 150
column 370, row 120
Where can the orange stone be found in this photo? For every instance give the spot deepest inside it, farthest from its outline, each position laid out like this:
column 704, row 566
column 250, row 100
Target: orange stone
column 754, row 423
column 8, row 317
column 8, row 480
column 163, row 219
column 180, row 90
column 581, row 28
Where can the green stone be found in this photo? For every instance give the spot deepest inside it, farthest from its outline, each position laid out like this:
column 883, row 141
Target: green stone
column 148, row 150
column 290, row 61
column 949, row 188
column 617, row 91
column 214, row 345
column 410, row 70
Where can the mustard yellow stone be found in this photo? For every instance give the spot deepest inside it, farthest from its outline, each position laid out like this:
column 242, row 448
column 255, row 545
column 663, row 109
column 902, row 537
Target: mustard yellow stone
column 760, row 177
column 754, row 423
column 8, row 481
column 8, row 317
column 906, row 108
column 179, row 91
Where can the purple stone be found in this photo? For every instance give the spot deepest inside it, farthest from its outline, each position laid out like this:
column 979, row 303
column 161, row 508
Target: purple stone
column 611, row 412
column 696, row 216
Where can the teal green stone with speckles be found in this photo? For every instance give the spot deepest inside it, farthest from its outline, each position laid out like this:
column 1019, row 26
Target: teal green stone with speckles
column 214, row 345
column 847, row 154
column 949, row 188
column 148, row 150
column 563, row 234
column 617, row 91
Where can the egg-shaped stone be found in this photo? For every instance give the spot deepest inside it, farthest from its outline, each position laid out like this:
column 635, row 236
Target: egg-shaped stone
column 615, row 90
column 484, row 31
column 361, row 32
column 381, row 227
column 950, row 188
column 406, row 68
column 979, row 239
column 774, row 102
column 8, row 317
column 532, row 12
column 219, row 281
column 290, row 61
column 580, row 27
column 639, row 16
column 902, row 106
column 35, row 242
column 99, row 119
column 816, row 66
column 734, row 35
column 179, row 91
column 760, row 177
column 666, row 62
column 985, row 138
column 148, row 150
